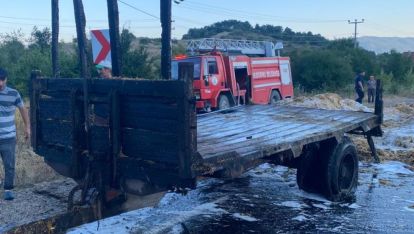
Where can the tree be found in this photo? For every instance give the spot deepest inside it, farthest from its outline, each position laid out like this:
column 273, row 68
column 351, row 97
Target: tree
column 138, row 64
column 126, row 40
column 397, row 64
column 41, row 38
column 322, row 70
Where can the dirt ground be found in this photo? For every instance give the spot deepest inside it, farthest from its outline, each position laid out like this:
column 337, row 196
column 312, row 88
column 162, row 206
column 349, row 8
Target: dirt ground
column 40, row 192
column 35, row 202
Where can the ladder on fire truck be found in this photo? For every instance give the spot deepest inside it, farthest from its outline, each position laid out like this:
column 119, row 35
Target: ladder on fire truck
column 246, row 47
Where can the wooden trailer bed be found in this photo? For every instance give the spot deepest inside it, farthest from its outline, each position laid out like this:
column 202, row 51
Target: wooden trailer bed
column 253, row 132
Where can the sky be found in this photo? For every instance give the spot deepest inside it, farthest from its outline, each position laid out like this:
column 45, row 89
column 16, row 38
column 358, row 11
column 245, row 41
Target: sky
column 329, row 18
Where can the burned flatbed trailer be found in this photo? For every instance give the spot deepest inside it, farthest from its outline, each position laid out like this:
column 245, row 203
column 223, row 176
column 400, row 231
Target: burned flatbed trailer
column 145, row 136
column 256, row 132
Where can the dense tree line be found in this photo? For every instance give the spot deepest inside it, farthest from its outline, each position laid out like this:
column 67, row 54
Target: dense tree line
column 244, row 30
column 333, row 67
column 318, row 63
column 330, row 66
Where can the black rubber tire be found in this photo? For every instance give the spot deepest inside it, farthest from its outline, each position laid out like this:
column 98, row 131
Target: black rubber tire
column 330, row 169
column 341, row 176
column 274, row 97
column 223, row 102
column 310, row 170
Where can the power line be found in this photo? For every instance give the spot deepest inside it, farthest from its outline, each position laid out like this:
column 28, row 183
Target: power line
column 71, row 20
column 137, row 9
column 214, row 10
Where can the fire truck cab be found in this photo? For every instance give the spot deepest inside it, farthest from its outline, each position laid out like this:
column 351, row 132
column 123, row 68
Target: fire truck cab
column 225, row 76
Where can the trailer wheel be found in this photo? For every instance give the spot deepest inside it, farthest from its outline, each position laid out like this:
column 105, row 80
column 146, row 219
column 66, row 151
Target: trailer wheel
column 330, row 169
column 224, row 102
column 309, row 170
column 342, row 171
column 274, row 97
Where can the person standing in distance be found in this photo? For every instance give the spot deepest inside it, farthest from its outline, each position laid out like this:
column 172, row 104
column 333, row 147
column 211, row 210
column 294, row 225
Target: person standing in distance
column 372, row 85
column 9, row 100
column 101, row 111
column 359, row 87
column 105, row 70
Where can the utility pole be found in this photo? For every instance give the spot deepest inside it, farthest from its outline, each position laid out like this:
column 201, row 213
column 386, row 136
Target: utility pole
column 55, row 38
column 113, row 17
column 355, row 22
column 166, row 39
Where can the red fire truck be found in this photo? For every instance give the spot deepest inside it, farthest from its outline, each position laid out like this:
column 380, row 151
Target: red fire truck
column 233, row 72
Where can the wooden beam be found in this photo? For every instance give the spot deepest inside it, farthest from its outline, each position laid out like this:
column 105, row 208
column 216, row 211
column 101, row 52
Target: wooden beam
column 85, row 71
column 379, row 104
column 55, row 38
column 373, row 149
column 166, row 39
column 113, row 17
column 34, row 97
column 81, row 37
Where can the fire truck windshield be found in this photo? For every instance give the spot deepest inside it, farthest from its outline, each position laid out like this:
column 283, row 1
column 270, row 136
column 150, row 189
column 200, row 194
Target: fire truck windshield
column 195, row 61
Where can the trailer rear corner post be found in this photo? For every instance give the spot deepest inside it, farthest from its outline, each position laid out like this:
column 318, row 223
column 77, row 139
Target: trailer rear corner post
column 379, row 112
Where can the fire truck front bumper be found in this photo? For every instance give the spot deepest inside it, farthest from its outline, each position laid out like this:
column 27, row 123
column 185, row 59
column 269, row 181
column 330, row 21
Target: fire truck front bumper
column 200, row 104
column 203, row 106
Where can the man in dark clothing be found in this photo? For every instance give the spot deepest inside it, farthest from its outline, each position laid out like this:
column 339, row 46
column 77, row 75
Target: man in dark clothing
column 359, row 87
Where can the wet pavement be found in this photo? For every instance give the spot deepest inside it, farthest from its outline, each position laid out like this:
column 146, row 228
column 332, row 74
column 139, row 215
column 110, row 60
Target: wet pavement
column 267, row 200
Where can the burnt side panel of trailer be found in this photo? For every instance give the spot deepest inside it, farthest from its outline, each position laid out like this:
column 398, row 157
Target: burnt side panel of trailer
column 140, row 129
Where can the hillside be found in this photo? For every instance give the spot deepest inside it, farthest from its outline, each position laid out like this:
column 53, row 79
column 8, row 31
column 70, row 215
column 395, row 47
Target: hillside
column 234, row 29
column 385, row 44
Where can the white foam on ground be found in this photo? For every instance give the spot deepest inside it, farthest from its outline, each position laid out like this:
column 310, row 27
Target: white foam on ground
column 312, row 196
column 152, row 220
column 393, row 167
column 177, row 229
column 293, row 204
column 409, row 209
column 172, row 210
column 398, row 138
column 244, row 217
column 354, row 206
column 300, row 218
column 321, row 206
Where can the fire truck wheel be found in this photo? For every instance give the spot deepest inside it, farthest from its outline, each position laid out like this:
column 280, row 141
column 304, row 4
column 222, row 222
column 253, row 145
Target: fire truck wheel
column 274, row 97
column 341, row 171
column 224, row 102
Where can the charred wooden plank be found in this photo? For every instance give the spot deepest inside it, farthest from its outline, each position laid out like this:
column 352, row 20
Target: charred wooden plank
column 60, row 109
column 294, row 129
column 150, row 88
column 149, row 108
column 288, row 129
column 100, row 142
column 187, row 133
column 161, row 147
column 150, row 124
column 55, row 153
column 56, row 132
column 34, row 114
column 166, row 177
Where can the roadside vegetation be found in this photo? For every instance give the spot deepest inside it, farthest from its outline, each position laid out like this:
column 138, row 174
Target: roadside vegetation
column 318, row 65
